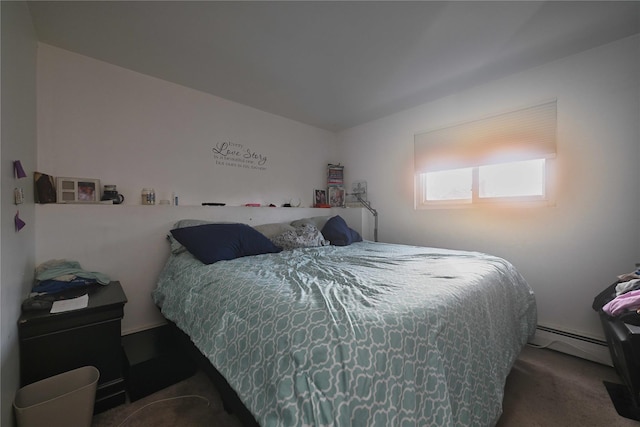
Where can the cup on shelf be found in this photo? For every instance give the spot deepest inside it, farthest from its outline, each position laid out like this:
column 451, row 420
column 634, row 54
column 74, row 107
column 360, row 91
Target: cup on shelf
column 111, row 193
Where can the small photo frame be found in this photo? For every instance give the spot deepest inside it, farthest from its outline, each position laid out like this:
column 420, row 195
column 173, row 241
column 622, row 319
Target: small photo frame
column 320, row 198
column 78, row 190
column 336, row 197
column 358, row 189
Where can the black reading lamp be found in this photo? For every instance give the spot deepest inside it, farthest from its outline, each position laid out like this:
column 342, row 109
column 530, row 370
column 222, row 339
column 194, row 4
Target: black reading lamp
column 373, row 212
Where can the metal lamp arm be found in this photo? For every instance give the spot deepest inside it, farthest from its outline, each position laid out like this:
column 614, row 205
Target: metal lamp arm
column 374, row 212
column 366, row 205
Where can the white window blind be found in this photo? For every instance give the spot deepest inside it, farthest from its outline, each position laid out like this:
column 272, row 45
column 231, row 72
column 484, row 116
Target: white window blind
column 525, row 134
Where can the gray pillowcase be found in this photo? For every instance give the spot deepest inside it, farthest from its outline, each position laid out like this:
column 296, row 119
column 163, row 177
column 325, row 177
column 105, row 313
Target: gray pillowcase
column 303, row 236
column 318, row 221
column 272, row 230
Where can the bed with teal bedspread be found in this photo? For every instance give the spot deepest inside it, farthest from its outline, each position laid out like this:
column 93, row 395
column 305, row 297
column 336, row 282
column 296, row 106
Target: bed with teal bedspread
column 370, row 334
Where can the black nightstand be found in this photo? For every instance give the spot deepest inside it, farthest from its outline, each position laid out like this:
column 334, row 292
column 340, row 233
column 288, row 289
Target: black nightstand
column 54, row 343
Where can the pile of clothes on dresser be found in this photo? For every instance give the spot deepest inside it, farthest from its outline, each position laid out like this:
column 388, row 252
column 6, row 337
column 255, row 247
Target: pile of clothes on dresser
column 59, row 275
column 627, row 295
column 60, row 279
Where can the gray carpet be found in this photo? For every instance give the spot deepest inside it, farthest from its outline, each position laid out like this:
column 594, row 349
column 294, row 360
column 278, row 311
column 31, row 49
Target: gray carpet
column 545, row 389
column 193, row 402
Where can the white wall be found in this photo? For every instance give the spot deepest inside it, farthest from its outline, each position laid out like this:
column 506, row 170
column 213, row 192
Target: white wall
column 97, row 120
column 569, row 252
column 18, row 133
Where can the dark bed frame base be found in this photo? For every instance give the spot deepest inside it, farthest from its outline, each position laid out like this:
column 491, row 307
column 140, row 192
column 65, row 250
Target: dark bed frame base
column 230, row 400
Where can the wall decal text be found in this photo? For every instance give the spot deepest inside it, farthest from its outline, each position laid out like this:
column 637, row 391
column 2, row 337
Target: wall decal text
column 232, row 154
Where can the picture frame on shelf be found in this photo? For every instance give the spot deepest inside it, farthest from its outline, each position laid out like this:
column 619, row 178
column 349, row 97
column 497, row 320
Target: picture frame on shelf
column 336, row 197
column 320, row 199
column 77, row 190
column 358, row 189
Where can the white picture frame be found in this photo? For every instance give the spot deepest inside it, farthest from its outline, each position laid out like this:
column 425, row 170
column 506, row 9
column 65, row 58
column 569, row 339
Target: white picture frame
column 358, row 188
column 336, row 197
column 77, row 190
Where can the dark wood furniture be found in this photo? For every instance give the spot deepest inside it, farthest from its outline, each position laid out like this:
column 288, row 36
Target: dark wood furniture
column 623, row 338
column 155, row 360
column 54, row 343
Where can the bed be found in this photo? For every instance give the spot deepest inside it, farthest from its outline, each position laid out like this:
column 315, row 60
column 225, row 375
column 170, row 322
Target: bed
column 362, row 334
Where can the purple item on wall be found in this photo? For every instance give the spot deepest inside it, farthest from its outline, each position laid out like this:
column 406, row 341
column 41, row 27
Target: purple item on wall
column 18, row 221
column 18, row 169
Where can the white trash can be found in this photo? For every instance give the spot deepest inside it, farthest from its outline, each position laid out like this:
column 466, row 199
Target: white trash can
column 63, row 400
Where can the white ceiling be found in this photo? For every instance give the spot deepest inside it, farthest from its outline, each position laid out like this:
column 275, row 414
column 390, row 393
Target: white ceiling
column 331, row 64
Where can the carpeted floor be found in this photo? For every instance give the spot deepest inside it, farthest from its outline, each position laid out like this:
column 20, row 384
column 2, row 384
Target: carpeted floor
column 545, row 389
column 548, row 389
column 193, row 402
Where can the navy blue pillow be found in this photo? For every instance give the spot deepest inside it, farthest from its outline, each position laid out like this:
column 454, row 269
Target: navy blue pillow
column 338, row 232
column 216, row 242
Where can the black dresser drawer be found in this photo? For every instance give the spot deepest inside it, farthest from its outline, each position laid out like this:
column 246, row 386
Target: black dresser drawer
column 53, row 343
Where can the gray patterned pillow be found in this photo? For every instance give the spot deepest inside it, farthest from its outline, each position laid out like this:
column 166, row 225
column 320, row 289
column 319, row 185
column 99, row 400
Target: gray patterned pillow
column 302, row 236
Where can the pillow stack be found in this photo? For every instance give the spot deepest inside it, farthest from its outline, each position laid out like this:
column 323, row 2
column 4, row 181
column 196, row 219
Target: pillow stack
column 211, row 242
column 217, row 242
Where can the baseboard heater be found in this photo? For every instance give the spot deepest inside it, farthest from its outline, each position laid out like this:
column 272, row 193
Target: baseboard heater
column 571, row 343
column 572, row 335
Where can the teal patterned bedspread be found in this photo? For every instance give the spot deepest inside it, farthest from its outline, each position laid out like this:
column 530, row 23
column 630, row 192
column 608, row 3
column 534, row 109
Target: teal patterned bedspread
column 371, row 334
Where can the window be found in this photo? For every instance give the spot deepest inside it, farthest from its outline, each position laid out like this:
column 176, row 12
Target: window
column 504, row 158
column 521, row 181
column 449, row 185
column 516, row 179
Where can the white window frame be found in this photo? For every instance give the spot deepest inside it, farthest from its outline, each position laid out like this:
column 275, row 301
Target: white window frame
column 546, row 199
column 525, row 134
